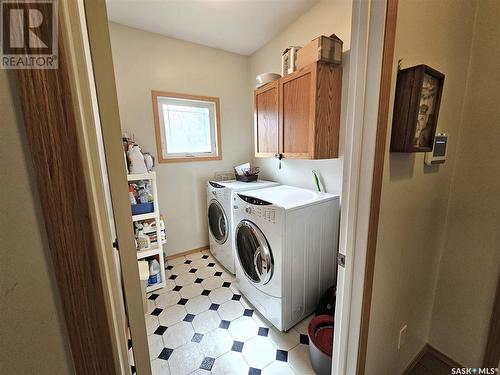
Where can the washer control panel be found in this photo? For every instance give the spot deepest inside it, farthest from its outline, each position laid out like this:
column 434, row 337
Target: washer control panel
column 265, row 213
column 215, row 184
column 254, row 201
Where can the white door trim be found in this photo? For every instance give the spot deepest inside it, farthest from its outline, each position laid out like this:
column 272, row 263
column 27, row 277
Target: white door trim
column 367, row 41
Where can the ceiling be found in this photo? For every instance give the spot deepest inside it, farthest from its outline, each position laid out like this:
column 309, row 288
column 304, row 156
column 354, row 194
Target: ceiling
column 240, row 26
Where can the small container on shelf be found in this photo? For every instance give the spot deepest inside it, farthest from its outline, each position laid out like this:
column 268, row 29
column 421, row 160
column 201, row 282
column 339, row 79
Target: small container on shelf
column 142, row 208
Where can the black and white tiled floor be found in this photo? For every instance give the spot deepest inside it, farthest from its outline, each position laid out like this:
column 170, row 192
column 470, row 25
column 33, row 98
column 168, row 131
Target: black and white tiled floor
column 200, row 324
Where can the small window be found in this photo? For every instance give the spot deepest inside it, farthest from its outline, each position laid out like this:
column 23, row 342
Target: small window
column 187, row 127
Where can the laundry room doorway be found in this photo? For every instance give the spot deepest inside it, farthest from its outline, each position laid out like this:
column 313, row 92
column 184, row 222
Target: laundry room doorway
column 94, row 85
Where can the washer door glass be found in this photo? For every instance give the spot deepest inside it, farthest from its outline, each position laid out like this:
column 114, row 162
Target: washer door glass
column 254, row 252
column 217, row 222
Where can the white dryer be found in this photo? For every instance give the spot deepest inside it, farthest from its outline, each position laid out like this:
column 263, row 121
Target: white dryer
column 220, row 223
column 286, row 244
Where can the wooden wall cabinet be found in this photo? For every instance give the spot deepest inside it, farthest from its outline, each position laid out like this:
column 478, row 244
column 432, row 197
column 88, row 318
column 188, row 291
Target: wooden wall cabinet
column 298, row 116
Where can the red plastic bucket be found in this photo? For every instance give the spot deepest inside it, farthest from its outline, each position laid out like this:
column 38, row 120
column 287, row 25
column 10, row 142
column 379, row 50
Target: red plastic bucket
column 321, row 343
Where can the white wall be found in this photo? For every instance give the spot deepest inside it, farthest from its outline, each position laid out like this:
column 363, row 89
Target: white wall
column 325, row 18
column 32, row 329
column 145, row 61
column 470, row 264
column 414, row 199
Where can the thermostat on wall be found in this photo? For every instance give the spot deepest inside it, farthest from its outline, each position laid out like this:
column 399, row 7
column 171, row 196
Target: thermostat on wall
column 438, row 153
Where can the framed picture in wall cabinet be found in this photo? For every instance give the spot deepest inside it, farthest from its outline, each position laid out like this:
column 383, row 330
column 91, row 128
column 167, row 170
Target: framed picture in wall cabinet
column 416, row 109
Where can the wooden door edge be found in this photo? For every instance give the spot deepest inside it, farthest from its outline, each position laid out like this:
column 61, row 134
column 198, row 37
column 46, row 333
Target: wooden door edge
column 64, row 181
column 378, row 168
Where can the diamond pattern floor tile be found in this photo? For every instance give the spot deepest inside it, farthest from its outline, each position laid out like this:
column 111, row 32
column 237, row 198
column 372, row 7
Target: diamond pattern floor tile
column 243, row 329
column 216, row 343
column 205, row 272
column 221, row 295
column 159, row 367
column 178, row 335
column 172, row 315
column 230, row 363
column 198, row 304
column 298, row 358
column 231, row 310
column 191, row 291
column 185, row 279
column 199, row 323
column 180, row 269
column 152, row 323
column 284, row 340
column 155, row 344
column 167, row 299
column 212, row 283
column 259, row 352
column 200, row 263
column 176, row 261
column 186, row 359
column 278, row 368
column 194, row 256
column 206, row 321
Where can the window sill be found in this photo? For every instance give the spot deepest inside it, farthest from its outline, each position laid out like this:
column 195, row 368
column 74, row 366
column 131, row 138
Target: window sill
column 189, row 159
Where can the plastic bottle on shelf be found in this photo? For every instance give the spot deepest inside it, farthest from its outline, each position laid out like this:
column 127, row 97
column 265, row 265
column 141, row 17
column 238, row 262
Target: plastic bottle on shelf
column 162, row 230
column 154, row 272
column 142, row 239
column 131, row 194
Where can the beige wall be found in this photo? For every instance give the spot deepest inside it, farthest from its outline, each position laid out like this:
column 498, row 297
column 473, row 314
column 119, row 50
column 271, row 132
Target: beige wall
column 32, row 329
column 325, row 18
column 415, row 197
column 145, row 61
column 470, row 264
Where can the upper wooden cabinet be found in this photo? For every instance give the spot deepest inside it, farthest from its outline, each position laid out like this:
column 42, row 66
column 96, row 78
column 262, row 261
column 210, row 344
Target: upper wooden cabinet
column 298, row 116
column 266, row 119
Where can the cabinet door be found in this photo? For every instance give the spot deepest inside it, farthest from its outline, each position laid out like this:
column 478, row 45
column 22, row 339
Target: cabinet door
column 266, row 120
column 298, row 100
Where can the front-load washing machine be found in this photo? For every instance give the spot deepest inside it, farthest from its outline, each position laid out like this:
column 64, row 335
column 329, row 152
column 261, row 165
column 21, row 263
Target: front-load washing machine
column 286, row 244
column 220, row 223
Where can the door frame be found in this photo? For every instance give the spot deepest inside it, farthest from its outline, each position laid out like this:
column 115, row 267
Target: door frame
column 372, row 46
column 361, row 160
column 384, row 90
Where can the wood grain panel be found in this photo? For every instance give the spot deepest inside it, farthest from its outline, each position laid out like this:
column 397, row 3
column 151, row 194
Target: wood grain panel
column 266, row 119
column 328, row 106
column 51, row 127
column 296, row 114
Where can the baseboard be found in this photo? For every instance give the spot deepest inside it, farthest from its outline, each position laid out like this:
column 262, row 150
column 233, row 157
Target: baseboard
column 443, row 357
column 430, row 349
column 415, row 360
column 187, row 252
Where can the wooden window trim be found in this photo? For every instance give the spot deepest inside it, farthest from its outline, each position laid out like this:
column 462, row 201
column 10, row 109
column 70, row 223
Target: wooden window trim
column 159, row 150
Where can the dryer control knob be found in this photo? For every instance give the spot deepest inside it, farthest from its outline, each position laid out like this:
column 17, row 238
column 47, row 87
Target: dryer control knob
column 248, row 209
column 213, row 191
